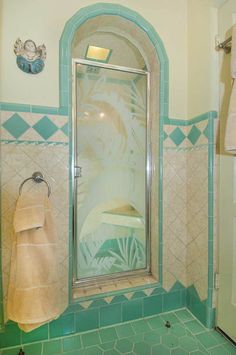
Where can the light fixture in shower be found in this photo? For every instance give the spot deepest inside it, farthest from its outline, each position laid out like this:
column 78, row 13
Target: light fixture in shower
column 98, row 54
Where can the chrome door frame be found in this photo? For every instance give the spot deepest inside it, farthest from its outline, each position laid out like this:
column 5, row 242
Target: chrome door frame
column 148, row 175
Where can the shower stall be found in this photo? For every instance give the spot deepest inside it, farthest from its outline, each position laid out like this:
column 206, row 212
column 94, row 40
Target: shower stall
column 111, row 171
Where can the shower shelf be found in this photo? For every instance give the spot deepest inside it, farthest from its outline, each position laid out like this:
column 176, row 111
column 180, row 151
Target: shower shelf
column 124, row 216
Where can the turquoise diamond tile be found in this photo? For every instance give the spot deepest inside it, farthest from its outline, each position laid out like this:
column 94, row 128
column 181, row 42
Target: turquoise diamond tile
column 65, row 129
column 194, row 134
column 206, row 131
column 165, row 135
column 177, row 136
column 16, row 126
column 45, row 127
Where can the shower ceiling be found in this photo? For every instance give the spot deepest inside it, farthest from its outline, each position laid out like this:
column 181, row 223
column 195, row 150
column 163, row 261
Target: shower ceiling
column 124, row 53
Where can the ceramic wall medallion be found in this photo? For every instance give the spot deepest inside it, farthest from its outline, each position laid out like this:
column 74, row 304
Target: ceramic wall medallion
column 30, row 58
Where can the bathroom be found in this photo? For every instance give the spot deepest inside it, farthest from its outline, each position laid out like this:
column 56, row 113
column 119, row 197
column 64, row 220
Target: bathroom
column 115, row 116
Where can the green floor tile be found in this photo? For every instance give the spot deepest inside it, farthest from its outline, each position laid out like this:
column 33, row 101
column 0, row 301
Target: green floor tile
column 91, row 338
column 111, row 352
column 178, row 330
column 156, row 322
column 170, row 317
column 207, row 340
column 141, row 326
column 179, row 351
column 188, row 343
column 124, row 346
column 136, row 338
column 71, row 343
column 52, row 347
column 108, row 334
column 231, row 348
column 93, row 350
column 219, row 350
column 75, row 352
column 170, row 341
column 107, row 346
column 220, row 338
column 195, row 327
column 124, row 330
column 160, row 350
column 142, row 348
column 14, row 351
column 152, row 338
column 184, row 315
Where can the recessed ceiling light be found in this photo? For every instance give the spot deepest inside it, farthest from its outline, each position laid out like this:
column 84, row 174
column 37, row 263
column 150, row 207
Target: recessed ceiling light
column 98, row 53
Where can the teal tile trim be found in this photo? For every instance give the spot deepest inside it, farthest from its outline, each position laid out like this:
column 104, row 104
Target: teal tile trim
column 187, row 149
column 77, row 319
column 9, row 141
column 70, row 28
column 211, row 148
column 14, row 107
column 193, row 120
column 200, row 309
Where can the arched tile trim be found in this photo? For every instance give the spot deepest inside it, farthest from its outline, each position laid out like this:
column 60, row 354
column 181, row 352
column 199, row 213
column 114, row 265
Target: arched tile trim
column 71, row 26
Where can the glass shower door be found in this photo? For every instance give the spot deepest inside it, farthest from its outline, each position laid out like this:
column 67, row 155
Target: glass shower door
column 110, row 182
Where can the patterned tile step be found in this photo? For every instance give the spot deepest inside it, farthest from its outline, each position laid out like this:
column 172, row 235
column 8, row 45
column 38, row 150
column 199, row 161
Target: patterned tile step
column 173, row 333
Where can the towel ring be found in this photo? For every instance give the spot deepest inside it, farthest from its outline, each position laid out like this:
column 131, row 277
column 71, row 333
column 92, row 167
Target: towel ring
column 38, row 178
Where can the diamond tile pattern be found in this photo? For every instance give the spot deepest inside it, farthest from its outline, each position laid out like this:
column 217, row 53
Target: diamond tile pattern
column 185, row 198
column 186, row 136
column 177, row 136
column 45, row 127
column 149, row 340
column 194, row 134
column 32, row 127
column 16, row 126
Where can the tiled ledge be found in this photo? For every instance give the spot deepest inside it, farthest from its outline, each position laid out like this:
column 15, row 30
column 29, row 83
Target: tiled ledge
column 124, row 284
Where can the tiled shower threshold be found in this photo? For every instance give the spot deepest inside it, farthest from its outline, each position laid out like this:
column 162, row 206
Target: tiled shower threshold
column 172, row 333
column 108, row 286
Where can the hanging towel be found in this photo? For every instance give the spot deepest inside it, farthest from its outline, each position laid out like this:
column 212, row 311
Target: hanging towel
column 230, row 133
column 34, row 293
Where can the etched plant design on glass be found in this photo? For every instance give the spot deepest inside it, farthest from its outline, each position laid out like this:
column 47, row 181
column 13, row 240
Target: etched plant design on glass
column 131, row 255
column 88, row 262
column 111, row 148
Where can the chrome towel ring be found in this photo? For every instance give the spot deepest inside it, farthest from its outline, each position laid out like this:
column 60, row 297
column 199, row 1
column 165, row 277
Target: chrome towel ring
column 38, row 178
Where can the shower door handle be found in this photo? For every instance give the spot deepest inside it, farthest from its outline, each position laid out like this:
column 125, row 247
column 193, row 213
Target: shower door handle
column 78, row 171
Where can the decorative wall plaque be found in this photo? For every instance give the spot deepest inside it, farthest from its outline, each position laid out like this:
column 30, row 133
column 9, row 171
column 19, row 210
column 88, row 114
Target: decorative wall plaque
column 29, row 58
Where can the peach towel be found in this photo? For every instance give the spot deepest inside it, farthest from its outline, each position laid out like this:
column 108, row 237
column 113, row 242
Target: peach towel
column 34, row 293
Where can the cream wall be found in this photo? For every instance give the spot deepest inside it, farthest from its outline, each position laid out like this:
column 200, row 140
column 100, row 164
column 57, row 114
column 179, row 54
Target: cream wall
column 202, row 57
column 187, row 28
column 43, row 21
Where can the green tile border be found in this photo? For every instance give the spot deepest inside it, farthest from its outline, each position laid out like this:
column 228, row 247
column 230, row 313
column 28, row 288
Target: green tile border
column 191, row 121
column 15, row 141
column 70, row 28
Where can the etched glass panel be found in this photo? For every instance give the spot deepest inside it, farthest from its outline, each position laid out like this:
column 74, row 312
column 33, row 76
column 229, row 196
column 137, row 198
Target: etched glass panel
column 111, row 149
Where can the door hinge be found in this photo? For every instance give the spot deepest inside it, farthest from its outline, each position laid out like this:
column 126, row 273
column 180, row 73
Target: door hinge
column 78, row 171
column 217, row 281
